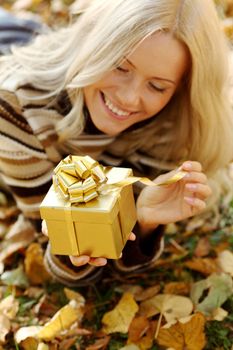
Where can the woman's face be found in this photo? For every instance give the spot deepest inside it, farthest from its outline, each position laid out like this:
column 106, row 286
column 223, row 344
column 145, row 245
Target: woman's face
column 140, row 87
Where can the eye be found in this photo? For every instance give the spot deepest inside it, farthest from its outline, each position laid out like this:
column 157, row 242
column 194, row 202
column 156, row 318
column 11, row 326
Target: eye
column 157, row 88
column 121, row 69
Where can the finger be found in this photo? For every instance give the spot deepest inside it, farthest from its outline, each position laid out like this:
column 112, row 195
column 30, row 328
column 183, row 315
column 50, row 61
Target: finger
column 196, row 204
column 79, row 260
column 44, row 229
column 200, row 190
column 191, row 166
column 98, row 261
column 132, row 237
column 195, row 176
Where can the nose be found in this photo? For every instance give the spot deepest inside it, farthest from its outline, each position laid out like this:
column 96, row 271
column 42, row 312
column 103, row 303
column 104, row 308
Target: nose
column 130, row 95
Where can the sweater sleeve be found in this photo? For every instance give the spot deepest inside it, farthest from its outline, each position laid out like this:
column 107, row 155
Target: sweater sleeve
column 24, row 164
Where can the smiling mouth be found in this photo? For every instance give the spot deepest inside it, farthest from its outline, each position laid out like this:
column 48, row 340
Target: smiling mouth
column 114, row 109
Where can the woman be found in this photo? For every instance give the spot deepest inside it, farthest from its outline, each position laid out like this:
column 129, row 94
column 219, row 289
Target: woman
column 132, row 82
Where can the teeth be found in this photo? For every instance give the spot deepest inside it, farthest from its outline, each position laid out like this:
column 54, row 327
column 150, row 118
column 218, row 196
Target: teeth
column 114, row 109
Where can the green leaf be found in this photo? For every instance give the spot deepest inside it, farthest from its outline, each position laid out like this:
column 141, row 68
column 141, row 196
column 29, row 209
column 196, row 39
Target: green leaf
column 219, row 288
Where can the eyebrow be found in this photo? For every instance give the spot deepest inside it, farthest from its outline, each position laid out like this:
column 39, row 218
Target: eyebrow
column 157, row 78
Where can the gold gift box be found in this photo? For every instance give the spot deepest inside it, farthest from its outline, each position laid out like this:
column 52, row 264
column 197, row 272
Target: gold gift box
column 98, row 228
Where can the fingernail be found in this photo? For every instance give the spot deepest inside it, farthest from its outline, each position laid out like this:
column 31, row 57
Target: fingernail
column 191, row 186
column 80, row 260
column 189, row 200
column 187, row 166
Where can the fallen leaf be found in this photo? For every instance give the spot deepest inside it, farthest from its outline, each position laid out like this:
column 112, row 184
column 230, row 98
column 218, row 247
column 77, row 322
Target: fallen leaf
column 99, row 343
column 130, row 347
column 178, row 288
column 34, row 266
column 43, row 346
column 27, row 332
column 147, row 293
column 9, row 307
column 203, row 247
column 138, row 328
column 119, row 319
column 172, row 307
column 225, row 261
column 219, row 287
column 61, row 321
column 5, row 327
column 15, row 277
column 219, row 314
column 180, row 336
column 206, row 266
column 20, row 235
column 71, row 295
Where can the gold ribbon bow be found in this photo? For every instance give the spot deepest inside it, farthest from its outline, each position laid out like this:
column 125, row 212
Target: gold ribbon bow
column 81, row 179
column 78, row 178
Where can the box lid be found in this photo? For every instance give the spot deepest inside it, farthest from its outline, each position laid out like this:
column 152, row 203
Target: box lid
column 103, row 209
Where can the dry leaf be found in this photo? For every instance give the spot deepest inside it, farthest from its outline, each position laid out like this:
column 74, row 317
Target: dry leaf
column 141, row 333
column 180, row 336
column 34, row 266
column 130, row 347
column 119, row 319
column 27, row 332
column 71, row 295
column 225, row 261
column 138, row 328
column 99, row 344
column 178, row 288
column 219, row 314
column 9, row 307
column 61, row 321
column 5, row 327
column 206, row 266
column 172, row 307
column 43, row 346
column 203, row 247
column 147, row 293
column 20, row 235
column 219, row 287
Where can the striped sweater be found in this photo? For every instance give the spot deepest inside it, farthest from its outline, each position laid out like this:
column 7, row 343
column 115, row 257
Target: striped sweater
column 29, row 151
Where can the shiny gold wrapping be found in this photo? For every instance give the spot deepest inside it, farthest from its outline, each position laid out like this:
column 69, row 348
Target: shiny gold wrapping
column 101, row 226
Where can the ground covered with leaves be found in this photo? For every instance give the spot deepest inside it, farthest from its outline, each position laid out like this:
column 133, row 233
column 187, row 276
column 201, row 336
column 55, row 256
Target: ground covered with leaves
column 186, row 302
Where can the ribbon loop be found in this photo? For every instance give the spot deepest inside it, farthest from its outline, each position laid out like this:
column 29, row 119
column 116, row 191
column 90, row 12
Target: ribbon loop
column 81, row 179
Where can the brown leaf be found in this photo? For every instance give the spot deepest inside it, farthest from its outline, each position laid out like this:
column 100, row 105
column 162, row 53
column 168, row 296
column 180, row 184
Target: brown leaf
column 34, row 266
column 99, row 343
column 178, row 288
column 203, row 247
column 119, row 319
column 206, row 266
column 20, row 235
column 143, row 334
column 147, row 293
column 180, row 336
column 138, row 328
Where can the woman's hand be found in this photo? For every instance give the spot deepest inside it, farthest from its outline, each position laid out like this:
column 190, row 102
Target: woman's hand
column 84, row 259
column 165, row 204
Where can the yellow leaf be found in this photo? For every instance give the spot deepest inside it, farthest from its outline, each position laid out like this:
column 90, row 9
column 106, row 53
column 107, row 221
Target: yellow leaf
column 172, row 307
column 71, row 295
column 219, row 314
column 119, row 319
column 61, row 321
column 225, row 261
column 180, row 336
column 34, row 266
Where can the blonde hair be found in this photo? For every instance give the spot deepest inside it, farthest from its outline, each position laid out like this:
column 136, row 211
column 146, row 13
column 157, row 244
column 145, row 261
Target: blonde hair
column 79, row 55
